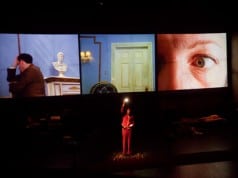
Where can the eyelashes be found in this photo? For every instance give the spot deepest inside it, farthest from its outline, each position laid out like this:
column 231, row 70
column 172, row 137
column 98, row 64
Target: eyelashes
column 203, row 61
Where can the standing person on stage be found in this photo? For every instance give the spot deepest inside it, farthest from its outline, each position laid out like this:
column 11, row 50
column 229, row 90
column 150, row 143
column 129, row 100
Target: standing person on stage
column 127, row 127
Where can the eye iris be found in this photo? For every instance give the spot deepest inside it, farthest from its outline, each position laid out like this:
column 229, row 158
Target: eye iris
column 200, row 62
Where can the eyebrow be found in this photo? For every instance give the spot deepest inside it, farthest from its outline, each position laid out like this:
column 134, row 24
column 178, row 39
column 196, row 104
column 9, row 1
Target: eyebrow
column 202, row 42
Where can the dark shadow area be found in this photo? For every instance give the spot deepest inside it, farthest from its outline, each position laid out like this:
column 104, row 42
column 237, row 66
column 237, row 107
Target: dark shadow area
column 85, row 141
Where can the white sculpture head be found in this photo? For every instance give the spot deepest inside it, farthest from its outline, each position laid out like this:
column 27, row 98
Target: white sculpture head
column 60, row 57
column 59, row 65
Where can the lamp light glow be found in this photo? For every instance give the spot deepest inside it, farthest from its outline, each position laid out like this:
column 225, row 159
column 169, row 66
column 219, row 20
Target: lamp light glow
column 126, row 100
column 86, row 56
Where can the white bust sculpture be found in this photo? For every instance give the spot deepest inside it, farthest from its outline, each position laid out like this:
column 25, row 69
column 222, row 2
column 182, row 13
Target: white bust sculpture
column 59, row 65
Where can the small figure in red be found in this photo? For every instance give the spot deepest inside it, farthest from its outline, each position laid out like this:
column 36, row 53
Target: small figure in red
column 127, row 125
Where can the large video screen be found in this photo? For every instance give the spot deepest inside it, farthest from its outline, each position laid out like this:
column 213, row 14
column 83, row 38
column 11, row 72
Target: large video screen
column 55, row 55
column 117, row 63
column 191, row 61
column 73, row 64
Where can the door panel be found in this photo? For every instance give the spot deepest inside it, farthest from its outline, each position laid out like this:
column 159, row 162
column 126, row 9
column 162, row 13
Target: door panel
column 132, row 67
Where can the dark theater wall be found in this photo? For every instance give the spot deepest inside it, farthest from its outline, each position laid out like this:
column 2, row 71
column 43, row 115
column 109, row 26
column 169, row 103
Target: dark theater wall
column 235, row 66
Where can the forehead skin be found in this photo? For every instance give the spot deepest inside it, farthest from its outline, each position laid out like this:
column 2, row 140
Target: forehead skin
column 190, row 40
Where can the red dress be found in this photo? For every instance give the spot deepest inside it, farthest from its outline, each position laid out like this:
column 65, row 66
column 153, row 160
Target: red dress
column 127, row 125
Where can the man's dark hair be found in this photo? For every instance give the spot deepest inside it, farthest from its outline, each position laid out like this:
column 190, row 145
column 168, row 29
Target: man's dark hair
column 25, row 57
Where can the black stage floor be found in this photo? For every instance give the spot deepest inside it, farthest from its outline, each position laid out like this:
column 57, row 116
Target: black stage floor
column 174, row 154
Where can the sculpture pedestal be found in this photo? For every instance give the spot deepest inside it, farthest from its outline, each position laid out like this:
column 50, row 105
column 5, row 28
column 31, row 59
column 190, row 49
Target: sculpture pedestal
column 56, row 86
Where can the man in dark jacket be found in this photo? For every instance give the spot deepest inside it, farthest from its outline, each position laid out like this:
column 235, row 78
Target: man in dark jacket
column 29, row 82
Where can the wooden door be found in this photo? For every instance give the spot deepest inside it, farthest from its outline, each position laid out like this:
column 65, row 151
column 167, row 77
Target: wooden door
column 132, row 67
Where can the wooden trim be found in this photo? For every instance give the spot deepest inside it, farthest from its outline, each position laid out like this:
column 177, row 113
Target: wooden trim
column 61, row 79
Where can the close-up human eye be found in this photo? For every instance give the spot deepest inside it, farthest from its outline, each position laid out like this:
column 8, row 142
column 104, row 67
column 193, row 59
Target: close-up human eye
column 203, row 61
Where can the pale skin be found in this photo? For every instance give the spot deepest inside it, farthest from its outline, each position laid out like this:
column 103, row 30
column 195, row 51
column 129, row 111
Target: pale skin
column 191, row 61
